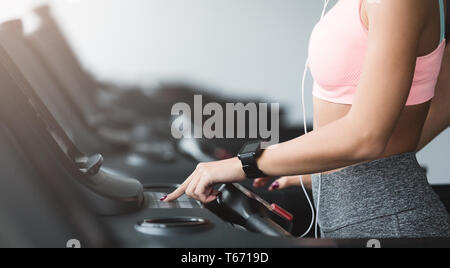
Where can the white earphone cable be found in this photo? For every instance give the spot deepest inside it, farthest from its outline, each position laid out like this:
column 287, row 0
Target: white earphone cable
column 311, row 206
column 316, row 231
column 305, row 72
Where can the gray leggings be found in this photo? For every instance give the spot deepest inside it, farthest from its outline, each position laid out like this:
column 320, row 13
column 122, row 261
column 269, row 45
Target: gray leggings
column 386, row 198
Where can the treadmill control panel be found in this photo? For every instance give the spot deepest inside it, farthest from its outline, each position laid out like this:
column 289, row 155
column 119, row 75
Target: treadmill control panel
column 154, row 194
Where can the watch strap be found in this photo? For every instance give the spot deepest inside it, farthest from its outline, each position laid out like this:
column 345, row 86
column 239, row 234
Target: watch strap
column 250, row 166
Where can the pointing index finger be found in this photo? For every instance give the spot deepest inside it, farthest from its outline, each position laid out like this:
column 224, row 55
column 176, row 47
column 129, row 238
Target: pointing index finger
column 177, row 193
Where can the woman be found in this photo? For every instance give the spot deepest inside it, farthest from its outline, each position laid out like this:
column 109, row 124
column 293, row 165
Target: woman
column 375, row 66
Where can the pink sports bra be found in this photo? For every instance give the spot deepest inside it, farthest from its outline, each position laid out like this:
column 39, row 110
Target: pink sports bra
column 336, row 55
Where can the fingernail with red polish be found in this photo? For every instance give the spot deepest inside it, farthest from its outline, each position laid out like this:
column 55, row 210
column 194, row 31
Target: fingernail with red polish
column 275, row 185
column 164, row 198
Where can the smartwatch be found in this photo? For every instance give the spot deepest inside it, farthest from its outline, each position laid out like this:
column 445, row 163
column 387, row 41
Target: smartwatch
column 248, row 156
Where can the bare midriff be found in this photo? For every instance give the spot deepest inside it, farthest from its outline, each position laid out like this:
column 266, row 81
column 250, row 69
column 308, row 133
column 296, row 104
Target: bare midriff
column 405, row 137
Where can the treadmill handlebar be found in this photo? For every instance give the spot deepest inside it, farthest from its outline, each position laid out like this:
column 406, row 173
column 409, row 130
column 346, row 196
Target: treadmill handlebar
column 118, row 193
column 115, row 186
column 114, row 194
column 90, row 165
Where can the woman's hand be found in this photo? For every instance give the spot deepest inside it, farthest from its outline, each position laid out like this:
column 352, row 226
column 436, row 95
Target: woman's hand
column 283, row 182
column 200, row 184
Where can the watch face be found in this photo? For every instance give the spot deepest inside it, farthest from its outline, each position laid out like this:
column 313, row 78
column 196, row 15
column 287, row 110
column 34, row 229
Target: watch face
column 250, row 148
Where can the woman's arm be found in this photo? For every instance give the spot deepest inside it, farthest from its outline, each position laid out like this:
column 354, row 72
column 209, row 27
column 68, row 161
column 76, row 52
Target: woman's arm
column 394, row 33
column 438, row 118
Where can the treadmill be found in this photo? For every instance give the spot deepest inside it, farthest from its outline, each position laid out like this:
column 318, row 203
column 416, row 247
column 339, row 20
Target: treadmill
column 122, row 158
column 38, row 210
column 132, row 212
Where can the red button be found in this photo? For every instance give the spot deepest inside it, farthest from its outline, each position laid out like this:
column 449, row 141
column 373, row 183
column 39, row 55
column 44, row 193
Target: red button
column 282, row 212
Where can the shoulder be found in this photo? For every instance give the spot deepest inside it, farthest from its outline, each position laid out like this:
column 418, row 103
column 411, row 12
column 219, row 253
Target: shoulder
column 399, row 17
column 413, row 12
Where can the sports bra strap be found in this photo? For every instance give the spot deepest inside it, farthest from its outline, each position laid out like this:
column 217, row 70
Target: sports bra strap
column 443, row 21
